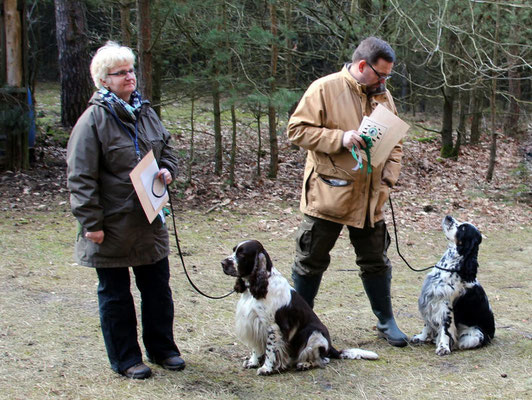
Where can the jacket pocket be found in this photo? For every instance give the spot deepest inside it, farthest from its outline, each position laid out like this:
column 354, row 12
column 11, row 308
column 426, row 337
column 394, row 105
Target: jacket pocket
column 332, row 197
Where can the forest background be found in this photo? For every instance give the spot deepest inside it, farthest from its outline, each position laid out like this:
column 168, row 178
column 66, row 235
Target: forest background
column 224, row 76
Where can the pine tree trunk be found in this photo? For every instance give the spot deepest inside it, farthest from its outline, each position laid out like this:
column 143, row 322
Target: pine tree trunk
column 447, row 124
column 476, row 111
column 192, row 138
column 511, row 124
column 74, row 61
column 144, row 49
column 461, row 128
column 493, row 98
column 258, row 116
column 125, row 14
column 218, row 166
column 272, row 113
column 233, row 146
column 514, row 87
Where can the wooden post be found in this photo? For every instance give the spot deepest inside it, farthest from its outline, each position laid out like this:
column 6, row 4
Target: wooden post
column 13, row 32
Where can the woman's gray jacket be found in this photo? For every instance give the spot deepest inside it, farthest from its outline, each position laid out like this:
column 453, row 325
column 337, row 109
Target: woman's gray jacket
column 100, row 156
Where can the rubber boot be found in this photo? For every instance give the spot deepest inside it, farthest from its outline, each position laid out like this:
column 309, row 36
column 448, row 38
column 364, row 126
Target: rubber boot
column 307, row 286
column 377, row 288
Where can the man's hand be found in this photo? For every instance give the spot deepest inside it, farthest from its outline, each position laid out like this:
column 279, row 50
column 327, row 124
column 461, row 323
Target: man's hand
column 353, row 138
column 96, row 237
column 165, row 174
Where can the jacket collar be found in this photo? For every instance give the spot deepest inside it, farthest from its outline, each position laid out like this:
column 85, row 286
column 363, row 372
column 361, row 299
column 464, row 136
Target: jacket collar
column 358, row 87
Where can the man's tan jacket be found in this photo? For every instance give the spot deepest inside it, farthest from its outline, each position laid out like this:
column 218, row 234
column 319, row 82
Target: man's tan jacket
column 331, row 106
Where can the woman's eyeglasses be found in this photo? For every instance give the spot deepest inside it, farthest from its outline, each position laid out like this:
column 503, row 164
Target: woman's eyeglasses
column 123, row 73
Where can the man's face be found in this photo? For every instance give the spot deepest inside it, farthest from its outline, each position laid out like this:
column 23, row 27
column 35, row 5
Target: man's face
column 375, row 75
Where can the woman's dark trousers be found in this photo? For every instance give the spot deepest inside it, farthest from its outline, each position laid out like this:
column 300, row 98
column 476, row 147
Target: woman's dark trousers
column 118, row 319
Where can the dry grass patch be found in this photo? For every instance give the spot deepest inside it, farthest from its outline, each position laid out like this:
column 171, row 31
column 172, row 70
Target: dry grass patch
column 51, row 345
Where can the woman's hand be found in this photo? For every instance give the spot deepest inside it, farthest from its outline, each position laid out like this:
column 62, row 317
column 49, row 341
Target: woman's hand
column 165, row 175
column 96, row 237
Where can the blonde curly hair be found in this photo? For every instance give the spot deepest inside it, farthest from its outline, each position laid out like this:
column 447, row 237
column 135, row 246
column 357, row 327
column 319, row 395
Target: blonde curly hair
column 107, row 57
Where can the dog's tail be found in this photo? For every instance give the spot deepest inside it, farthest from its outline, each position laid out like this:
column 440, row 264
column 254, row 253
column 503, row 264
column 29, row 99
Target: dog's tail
column 352, row 354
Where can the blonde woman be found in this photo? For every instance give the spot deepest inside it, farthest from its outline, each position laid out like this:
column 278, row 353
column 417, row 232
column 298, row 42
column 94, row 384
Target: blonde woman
column 107, row 142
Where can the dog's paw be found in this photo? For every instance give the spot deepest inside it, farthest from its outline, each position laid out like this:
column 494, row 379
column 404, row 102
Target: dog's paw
column 443, row 350
column 418, row 339
column 264, row 371
column 250, row 363
column 303, row 366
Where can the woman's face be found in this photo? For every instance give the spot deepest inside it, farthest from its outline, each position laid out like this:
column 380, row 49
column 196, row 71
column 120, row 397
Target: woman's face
column 122, row 81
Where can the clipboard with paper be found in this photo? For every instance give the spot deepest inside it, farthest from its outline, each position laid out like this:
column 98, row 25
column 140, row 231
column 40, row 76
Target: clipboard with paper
column 151, row 191
column 385, row 130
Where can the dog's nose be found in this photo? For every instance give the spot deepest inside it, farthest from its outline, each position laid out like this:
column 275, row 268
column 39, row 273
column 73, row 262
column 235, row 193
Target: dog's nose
column 448, row 218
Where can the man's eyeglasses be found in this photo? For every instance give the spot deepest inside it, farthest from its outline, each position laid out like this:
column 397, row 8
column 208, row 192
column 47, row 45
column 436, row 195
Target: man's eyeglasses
column 380, row 76
column 123, row 73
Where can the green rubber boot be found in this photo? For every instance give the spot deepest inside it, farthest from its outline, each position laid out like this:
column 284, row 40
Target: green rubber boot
column 377, row 288
column 307, row 286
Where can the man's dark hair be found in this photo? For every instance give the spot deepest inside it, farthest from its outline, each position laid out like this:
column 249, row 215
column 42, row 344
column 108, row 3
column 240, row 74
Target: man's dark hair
column 371, row 49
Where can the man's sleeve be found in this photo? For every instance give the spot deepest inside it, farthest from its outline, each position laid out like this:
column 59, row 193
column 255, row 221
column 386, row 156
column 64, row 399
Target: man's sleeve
column 306, row 125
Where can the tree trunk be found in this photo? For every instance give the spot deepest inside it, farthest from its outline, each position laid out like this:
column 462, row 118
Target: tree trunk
column 233, row 146
column 447, row 124
column 76, row 83
column 493, row 98
column 476, row 111
column 511, row 124
column 272, row 114
column 156, row 82
column 289, row 44
column 13, row 38
column 259, row 138
column 218, row 166
column 191, row 147
column 125, row 22
column 347, row 40
column 144, row 49
column 514, row 87
column 461, row 128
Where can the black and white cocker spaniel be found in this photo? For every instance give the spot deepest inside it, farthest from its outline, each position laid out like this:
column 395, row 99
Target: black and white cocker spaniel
column 274, row 320
column 453, row 304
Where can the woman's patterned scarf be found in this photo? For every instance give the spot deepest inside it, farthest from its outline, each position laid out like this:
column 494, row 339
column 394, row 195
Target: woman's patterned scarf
column 112, row 99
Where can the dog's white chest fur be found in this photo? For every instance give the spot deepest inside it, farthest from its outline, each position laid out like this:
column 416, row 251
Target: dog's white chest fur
column 255, row 316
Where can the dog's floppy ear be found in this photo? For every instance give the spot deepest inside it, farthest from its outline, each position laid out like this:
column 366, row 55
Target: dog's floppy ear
column 240, row 285
column 468, row 238
column 258, row 281
column 269, row 264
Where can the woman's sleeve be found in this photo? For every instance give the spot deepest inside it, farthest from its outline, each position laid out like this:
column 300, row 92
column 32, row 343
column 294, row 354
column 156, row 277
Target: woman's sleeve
column 168, row 158
column 83, row 159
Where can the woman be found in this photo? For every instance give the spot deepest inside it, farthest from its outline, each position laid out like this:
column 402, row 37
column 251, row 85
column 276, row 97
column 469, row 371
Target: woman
column 108, row 141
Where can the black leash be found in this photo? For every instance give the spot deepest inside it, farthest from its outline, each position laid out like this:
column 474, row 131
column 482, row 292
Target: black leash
column 397, row 243
column 179, row 247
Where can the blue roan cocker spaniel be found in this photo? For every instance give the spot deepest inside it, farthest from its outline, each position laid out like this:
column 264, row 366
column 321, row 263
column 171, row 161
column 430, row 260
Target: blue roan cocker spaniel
column 453, row 304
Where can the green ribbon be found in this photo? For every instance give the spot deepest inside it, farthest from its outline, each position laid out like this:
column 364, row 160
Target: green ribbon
column 369, row 145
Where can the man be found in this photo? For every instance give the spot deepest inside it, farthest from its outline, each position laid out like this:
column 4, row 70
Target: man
column 334, row 194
